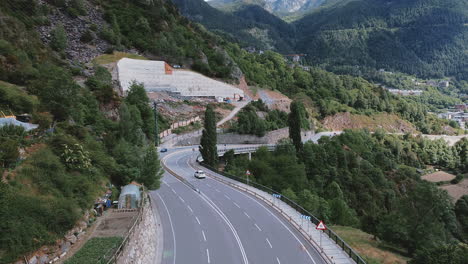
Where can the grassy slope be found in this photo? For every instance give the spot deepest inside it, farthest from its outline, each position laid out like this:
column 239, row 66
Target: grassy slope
column 369, row 248
column 116, row 56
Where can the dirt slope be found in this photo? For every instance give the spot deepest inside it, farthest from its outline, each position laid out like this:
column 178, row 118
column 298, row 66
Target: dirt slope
column 388, row 122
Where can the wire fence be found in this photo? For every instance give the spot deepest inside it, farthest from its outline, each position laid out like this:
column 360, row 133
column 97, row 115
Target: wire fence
column 340, row 242
column 118, row 252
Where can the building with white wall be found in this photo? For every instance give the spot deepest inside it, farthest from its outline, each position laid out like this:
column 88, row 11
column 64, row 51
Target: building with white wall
column 159, row 76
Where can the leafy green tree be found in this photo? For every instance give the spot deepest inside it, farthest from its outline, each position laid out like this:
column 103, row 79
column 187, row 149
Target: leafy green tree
column 58, row 40
column 130, row 124
column 208, row 140
column 56, row 90
column 441, row 254
column 151, row 171
column 341, row 214
column 137, row 97
column 290, row 194
column 116, row 31
column 461, row 211
column 8, row 152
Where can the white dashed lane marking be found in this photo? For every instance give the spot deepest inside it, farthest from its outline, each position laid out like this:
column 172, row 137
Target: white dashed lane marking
column 268, row 241
column 259, row 229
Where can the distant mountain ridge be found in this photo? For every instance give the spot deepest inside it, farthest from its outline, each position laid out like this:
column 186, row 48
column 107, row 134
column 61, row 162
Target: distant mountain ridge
column 419, row 37
column 426, row 38
column 249, row 25
column 273, row 6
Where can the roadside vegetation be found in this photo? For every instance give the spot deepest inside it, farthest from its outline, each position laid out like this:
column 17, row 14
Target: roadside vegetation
column 97, row 250
column 249, row 121
column 369, row 181
column 369, row 247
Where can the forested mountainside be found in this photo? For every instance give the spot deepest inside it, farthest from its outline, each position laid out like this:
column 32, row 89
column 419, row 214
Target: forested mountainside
column 425, row 38
column 250, row 25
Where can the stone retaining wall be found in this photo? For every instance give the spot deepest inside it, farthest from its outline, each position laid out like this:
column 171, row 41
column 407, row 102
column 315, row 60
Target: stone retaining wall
column 272, row 137
column 140, row 246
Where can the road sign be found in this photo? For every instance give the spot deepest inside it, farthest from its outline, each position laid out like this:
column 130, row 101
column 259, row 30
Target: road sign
column 321, row 226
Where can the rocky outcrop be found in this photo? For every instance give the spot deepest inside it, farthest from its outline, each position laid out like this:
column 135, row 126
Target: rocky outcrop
column 75, row 27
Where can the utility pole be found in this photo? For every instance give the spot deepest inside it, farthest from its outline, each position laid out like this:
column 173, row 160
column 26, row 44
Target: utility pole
column 156, row 138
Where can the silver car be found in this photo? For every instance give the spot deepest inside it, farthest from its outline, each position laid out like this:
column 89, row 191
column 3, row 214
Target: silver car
column 199, row 174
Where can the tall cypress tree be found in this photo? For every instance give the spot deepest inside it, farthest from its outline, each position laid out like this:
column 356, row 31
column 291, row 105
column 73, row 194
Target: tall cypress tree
column 295, row 122
column 208, row 140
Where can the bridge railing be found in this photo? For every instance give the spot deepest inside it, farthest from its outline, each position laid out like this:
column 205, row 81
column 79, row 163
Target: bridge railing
column 339, row 241
column 222, row 151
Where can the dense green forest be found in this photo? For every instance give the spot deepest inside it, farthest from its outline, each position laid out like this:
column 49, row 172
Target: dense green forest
column 425, row 38
column 250, row 25
column 52, row 174
column 358, row 37
column 370, row 181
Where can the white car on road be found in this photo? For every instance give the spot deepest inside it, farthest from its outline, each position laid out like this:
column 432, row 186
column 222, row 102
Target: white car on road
column 199, row 174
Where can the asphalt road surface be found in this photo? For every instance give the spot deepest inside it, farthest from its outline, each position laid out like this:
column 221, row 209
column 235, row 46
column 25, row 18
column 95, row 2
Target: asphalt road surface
column 221, row 224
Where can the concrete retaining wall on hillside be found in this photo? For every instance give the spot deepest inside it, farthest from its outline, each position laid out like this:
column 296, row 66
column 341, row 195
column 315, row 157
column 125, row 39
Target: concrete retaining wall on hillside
column 271, row 137
column 141, row 244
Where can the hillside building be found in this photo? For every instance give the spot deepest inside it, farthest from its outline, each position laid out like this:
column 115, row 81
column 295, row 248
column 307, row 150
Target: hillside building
column 159, row 76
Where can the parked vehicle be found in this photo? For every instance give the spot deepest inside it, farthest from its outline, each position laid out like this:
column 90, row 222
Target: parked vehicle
column 199, row 174
column 163, row 150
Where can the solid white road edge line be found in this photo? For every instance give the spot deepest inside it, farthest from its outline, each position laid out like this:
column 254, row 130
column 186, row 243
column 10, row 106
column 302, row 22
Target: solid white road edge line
column 170, row 222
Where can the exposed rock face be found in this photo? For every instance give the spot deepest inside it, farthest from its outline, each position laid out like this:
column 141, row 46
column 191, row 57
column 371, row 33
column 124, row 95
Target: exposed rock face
column 75, row 27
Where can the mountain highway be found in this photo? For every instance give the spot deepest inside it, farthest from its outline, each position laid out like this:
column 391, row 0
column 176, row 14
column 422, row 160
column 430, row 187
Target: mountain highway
column 220, row 224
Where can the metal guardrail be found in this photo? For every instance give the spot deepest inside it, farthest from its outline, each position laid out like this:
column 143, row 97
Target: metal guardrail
column 340, row 242
column 222, row 151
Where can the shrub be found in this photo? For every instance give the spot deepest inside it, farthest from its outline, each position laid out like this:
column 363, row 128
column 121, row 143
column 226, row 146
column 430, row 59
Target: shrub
column 59, row 38
column 44, row 120
column 457, row 179
column 87, row 36
column 58, row 3
column 78, row 5
column 8, row 152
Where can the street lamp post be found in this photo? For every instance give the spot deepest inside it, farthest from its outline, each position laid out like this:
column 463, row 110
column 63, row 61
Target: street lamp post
column 156, row 138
